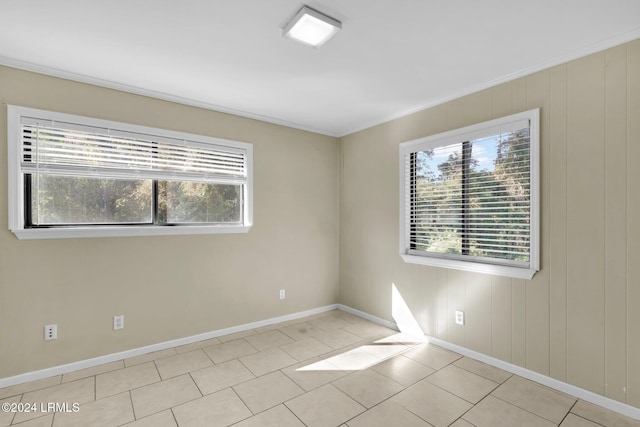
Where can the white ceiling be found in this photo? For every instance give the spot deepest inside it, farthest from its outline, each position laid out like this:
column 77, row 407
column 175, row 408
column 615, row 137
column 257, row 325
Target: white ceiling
column 391, row 58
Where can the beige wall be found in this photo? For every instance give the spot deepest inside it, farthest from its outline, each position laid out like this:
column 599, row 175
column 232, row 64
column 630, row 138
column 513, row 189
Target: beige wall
column 167, row 287
column 578, row 320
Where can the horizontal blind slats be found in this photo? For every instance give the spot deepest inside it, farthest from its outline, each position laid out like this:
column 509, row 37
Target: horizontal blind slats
column 77, row 151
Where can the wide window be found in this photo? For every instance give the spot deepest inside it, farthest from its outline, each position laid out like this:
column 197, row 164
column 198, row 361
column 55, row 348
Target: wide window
column 470, row 197
column 73, row 176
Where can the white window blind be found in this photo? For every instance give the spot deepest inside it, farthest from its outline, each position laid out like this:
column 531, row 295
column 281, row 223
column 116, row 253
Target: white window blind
column 470, row 196
column 75, row 176
column 68, row 149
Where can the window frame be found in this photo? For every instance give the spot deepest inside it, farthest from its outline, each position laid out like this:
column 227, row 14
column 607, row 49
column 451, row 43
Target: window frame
column 459, row 136
column 16, row 183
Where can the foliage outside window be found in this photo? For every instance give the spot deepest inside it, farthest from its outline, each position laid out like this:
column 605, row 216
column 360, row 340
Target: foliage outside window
column 470, row 198
column 73, row 176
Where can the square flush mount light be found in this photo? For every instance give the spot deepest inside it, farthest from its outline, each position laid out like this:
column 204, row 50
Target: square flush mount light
column 311, row 27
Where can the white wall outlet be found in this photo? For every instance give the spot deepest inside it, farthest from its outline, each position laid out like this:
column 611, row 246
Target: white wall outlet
column 282, row 294
column 459, row 317
column 118, row 322
column 50, row 332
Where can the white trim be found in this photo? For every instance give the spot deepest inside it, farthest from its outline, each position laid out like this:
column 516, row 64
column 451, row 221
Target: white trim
column 130, row 231
column 89, row 363
column 476, row 267
column 474, row 131
column 580, row 393
column 16, row 184
column 372, row 318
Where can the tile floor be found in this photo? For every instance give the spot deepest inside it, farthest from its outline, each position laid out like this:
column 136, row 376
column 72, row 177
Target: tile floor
column 331, row 369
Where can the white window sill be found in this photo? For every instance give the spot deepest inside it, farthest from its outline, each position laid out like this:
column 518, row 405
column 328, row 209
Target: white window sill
column 127, row 231
column 498, row 270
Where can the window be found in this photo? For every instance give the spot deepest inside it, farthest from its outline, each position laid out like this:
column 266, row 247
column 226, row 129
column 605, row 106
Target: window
column 72, row 176
column 469, row 198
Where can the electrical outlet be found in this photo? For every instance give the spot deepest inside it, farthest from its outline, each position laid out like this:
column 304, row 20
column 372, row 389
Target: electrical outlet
column 118, row 322
column 282, row 294
column 50, row 332
column 459, row 317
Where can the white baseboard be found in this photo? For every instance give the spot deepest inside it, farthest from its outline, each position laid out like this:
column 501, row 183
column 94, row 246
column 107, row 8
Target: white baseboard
column 89, row 363
column 580, row 393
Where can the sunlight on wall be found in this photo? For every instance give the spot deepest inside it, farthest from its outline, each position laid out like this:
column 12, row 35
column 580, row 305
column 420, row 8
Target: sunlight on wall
column 403, row 316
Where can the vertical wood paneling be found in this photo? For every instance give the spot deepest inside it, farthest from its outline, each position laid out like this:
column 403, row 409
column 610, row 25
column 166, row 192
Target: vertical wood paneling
column 570, row 321
column 478, row 313
column 558, row 223
column 442, row 305
column 519, row 286
column 633, row 223
column 519, row 322
column 501, row 318
column 616, row 224
column 457, row 288
column 585, row 222
column 537, row 290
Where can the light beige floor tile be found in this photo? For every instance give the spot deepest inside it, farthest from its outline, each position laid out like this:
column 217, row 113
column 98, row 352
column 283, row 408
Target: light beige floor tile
column 112, row 411
column 267, row 361
column 46, row 421
column 388, row 414
column 95, row 370
column 462, row 423
column 401, row 338
column 306, row 349
column 144, row 358
column 432, row 404
column 384, row 350
column 267, row 391
column 337, row 338
column 325, row 406
column 80, row 391
column 329, row 323
column 229, row 350
column 270, row 327
column 279, row 416
column 267, row 340
column 351, row 318
column 219, row 409
column 314, row 373
column 368, row 387
column 432, row 356
column 6, row 416
column 300, row 331
column 353, row 360
column 219, row 377
column 115, row 382
column 181, row 364
column 161, row 419
column 493, row 412
column 575, row 421
column 403, row 370
column 535, row 398
column 464, row 384
column 602, row 416
column 487, row 371
column 18, row 389
column 369, row 330
column 236, row 336
column 157, row 397
column 197, row 345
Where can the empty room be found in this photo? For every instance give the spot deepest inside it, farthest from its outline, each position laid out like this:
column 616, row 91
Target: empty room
column 325, row 214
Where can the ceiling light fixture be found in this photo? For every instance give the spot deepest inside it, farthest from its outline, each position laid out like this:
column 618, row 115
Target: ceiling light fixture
column 311, row 27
